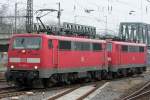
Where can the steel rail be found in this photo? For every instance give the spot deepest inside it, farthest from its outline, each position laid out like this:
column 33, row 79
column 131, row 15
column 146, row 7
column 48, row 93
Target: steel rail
column 136, row 92
column 63, row 93
column 89, row 92
column 139, row 95
column 96, row 85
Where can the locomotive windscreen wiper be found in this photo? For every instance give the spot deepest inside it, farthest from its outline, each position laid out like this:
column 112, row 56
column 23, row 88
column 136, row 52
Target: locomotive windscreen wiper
column 23, row 43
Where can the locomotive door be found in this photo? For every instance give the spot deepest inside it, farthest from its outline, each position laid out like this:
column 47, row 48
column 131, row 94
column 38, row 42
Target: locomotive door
column 109, row 54
column 55, row 53
column 118, row 49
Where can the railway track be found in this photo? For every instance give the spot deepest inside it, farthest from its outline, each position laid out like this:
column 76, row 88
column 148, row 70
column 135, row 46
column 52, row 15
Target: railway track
column 91, row 86
column 139, row 94
column 6, row 89
column 78, row 92
column 69, row 89
column 2, row 80
column 8, row 92
column 13, row 92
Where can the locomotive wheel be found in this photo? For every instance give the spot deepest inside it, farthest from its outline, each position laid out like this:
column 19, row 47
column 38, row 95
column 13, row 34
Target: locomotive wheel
column 109, row 76
column 23, row 83
column 89, row 77
column 114, row 75
column 144, row 68
column 98, row 75
column 67, row 81
column 124, row 72
column 47, row 83
column 37, row 83
column 72, row 77
column 130, row 72
column 136, row 71
column 140, row 70
column 18, row 85
column 104, row 74
column 120, row 73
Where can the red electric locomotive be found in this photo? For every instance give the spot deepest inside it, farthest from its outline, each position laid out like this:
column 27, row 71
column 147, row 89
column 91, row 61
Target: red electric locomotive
column 126, row 58
column 52, row 59
column 48, row 59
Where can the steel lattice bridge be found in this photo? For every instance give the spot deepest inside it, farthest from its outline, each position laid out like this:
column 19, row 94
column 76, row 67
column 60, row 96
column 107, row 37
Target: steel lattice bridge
column 135, row 31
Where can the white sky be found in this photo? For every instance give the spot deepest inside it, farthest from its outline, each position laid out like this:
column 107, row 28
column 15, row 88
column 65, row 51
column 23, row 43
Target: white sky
column 120, row 11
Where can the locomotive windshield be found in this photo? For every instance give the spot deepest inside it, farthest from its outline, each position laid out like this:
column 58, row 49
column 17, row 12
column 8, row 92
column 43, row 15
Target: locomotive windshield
column 27, row 43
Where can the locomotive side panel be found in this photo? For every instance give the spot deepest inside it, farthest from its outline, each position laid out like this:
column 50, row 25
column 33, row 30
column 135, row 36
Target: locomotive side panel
column 133, row 57
column 78, row 58
column 128, row 55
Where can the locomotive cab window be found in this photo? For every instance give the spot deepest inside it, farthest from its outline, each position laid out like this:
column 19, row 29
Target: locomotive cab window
column 27, row 43
column 65, row 45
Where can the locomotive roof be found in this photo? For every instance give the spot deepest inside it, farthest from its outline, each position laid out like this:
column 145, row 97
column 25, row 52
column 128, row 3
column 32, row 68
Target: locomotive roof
column 129, row 43
column 76, row 39
column 79, row 39
column 63, row 38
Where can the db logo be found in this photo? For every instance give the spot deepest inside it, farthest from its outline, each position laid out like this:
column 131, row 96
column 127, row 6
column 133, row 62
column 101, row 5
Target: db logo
column 133, row 58
column 82, row 59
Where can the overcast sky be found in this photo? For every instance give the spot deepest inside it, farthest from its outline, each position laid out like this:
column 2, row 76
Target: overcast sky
column 112, row 11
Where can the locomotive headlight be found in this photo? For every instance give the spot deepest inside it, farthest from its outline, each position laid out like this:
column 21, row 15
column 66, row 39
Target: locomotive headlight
column 11, row 66
column 23, row 51
column 35, row 67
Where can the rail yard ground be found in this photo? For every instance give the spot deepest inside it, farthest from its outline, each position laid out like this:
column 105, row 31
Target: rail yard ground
column 115, row 89
column 118, row 89
column 2, row 67
column 2, row 71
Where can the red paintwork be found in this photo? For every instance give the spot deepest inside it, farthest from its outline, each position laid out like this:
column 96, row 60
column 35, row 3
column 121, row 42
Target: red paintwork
column 76, row 59
column 119, row 57
column 62, row 59
column 66, row 59
column 19, row 54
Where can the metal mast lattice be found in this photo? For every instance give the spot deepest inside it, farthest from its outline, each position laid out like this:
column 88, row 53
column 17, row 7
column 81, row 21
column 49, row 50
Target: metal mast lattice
column 29, row 16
